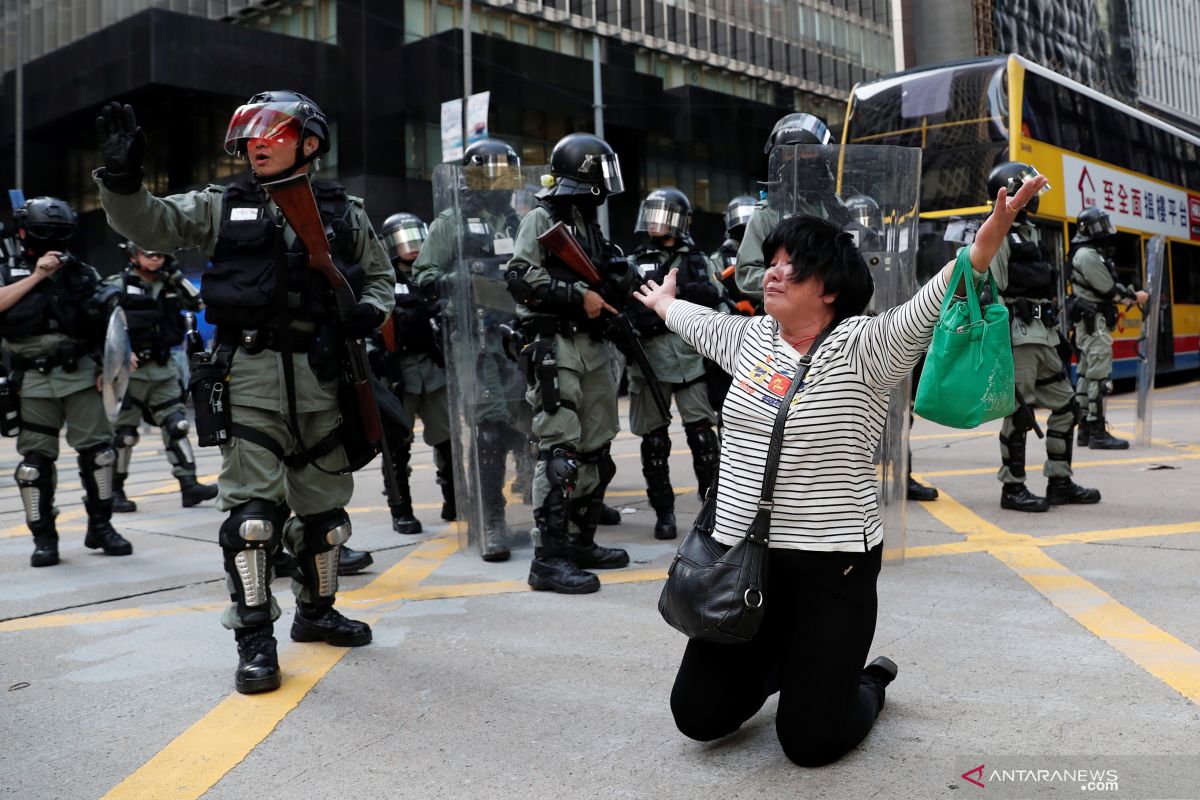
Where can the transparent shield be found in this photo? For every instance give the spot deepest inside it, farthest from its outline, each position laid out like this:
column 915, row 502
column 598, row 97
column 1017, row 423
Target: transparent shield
column 1147, row 346
column 490, row 420
column 873, row 193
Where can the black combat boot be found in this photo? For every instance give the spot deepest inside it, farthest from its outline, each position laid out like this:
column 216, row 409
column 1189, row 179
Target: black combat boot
column 1017, row 497
column 656, row 449
column 352, row 562
column 1082, row 436
column 95, row 473
column 258, row 662
column 403, row 519
column 444, row 461
column 35, row 480
column 1100, row 439
column 322, row 622
column 124, row 439
column 192, row 492
column 921, row 492
column 550, row 569
column 609, row 516
column 582, row 549
column 878, row 674
column 491, row 441
column 1063, row 491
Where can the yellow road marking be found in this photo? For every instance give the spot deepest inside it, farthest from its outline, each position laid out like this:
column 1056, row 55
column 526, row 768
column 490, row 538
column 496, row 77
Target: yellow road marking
column 1162, row 655
column 92, row 617
column 1106, row 462
column 199, row 757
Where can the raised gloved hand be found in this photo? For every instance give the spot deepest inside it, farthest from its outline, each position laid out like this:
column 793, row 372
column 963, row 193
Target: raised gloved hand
column 363, row 320
column 123, row 146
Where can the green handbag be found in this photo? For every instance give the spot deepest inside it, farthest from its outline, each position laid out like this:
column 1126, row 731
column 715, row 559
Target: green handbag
column 968, row 374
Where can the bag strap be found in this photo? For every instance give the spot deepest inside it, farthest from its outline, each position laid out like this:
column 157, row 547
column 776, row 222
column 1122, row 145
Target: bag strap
column 760, row 529
column 964, row 273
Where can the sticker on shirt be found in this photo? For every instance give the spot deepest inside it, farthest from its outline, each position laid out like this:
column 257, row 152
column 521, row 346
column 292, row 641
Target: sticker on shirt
column 243, row 214
column 769, row 386
column 778, row 384
column 402, row 288
column 502, row 245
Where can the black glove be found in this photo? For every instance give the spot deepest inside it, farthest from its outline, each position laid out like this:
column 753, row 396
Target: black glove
column 123, row 146
column 362, row 321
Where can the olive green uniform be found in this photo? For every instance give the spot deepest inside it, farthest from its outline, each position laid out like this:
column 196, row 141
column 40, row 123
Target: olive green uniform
column 586, row 422
column 1094, row 284
column 1041, row 379
column 256, row 384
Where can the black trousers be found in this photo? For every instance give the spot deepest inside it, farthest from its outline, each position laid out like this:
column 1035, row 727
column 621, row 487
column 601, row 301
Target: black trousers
column 813, row 643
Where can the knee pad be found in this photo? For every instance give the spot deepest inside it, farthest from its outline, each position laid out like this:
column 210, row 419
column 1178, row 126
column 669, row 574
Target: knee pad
column 96, row 466
column 324, row 534
column 701, row 437
column 248, row 536
column 656, row 446
column 125, row 438
column 562, row 469
column 35, row 479
column 1106, row 386
column 179, row 450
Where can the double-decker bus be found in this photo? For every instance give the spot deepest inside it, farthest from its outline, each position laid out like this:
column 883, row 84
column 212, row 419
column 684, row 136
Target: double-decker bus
column 969, row 116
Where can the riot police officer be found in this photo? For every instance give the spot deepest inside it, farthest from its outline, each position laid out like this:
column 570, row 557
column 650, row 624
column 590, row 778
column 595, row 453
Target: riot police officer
column 665, row 217
column 1094, row 314
column 409, row 356
column 484, row 227
column 1028, row 285
column 572, row 388
column 790, row 129
column 738, row 212
column 279, row 341
column 154, row 294
column 53, row 314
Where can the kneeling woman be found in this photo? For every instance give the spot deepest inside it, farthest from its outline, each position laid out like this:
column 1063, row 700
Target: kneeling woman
column 826, row 537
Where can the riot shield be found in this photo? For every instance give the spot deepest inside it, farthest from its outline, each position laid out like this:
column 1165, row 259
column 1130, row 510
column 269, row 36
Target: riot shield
column 1147, row 346
column 872, row 192
column 494, row 451
column 116, row 366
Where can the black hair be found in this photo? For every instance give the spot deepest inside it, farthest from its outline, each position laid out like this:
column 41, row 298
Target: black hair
column 818, row 247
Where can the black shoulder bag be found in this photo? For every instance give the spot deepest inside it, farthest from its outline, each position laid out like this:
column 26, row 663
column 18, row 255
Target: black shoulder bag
column 716, row 593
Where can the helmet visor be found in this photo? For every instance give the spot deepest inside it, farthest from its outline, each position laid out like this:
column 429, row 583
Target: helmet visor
column 610, row 172
column 660, row 219
column 405, row 241
column 278, row 122
column 1099, row 228
column 500, row 174
column 738, row 215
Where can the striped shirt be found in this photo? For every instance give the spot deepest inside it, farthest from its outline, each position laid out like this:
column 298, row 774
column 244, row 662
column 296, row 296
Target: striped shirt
column 825, row 493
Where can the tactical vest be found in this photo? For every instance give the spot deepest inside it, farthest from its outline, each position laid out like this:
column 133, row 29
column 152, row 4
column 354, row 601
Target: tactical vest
column 63, row 303
column 598, row 249
column 1106, row 303
column 250, row 258
column 692, row 283
column 411, row 318
column 155, row 323
column 1030, row 273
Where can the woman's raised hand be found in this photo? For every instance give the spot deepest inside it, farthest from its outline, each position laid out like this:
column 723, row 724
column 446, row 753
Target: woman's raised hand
column 996, row 226
column 658, row 297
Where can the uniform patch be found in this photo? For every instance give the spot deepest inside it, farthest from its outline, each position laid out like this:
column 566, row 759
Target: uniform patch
column 502, row 245
column 242, row 214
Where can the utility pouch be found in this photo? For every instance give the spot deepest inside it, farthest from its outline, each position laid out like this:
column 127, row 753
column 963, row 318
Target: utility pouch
column 10, row 404
column 545, row 371
column 209, row 385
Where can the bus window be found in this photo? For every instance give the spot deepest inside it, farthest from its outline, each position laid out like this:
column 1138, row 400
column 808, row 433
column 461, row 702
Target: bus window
column 1185, row 272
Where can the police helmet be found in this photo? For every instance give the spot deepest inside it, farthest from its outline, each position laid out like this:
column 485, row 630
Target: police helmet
column 738, row 212
column 403, row 234
column 665, row 213
column 491, row 164
column 282, row 115
column 131, row 249
column 584, row 164
column 48, row 220
column 1094, row 226
column 865, row 213
column 1011, row 175
column 798, row 128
